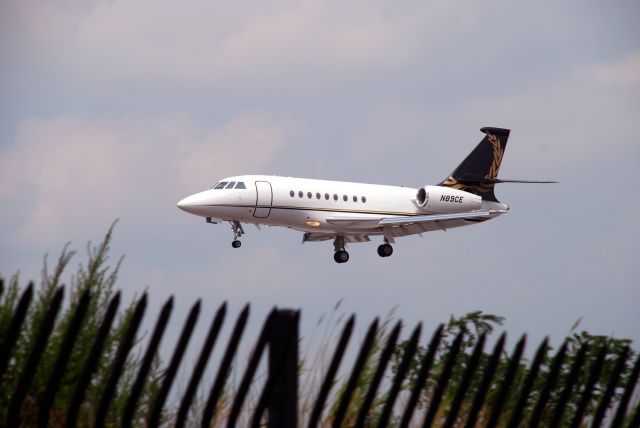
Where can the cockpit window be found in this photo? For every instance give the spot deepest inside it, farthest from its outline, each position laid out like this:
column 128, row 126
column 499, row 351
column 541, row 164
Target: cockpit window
column 221, row 185
column 231, row 184
column 240, row 185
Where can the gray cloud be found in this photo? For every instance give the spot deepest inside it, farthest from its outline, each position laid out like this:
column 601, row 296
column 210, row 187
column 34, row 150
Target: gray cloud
column 83, row 172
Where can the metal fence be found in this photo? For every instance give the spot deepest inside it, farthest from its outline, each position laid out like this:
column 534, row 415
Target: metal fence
column 277, row 405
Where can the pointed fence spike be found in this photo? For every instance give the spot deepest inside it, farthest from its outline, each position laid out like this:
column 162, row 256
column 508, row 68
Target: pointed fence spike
column 91, row 363
column 552, row 379
column 250, row 371
column 176, row 358
column 367, row 344
column 423, row 374
column 385, row 356
column 527, row 386
column 594, row 375
column 618, row 368
column 141, row 378
column 403, row 368
column 13, row 332
column 465, row 382
column 66, row 346
column 565, row 395
column 443, row 380
column 632, row 381
column 503, row 392
column 205, row 353
column 44, row 331
column 118, row 363
column 485, row 382
column 216, row 389
column 316, row 413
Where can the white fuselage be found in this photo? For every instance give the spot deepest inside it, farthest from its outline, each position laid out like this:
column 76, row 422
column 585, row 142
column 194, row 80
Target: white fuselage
column 320, row 206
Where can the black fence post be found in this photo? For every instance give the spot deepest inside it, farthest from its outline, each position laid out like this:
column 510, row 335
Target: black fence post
column 283, row 340
column 13, row 332
column 29, row 370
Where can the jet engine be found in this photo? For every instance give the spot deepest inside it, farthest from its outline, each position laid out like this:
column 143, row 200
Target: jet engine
column 438, row 199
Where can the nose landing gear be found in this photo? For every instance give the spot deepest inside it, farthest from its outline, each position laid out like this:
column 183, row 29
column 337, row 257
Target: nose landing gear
column 340, row 255
column 238, row 231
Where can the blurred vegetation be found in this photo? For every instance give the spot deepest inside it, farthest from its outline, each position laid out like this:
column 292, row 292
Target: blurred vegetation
column 98, row 277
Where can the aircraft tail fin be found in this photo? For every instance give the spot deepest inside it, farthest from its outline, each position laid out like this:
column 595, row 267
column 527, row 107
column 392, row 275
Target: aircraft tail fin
column 479, row 170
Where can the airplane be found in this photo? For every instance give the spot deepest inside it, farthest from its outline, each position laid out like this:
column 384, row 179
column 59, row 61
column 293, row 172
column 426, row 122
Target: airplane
column 354, row 212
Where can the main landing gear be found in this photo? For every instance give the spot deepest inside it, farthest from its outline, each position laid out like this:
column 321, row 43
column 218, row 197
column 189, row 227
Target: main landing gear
column 238, row 231
column 340, row 255
column 385, row 250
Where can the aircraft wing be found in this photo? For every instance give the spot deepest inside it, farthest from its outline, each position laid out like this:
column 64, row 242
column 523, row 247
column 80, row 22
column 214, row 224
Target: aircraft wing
column 406, row 221
column 411, row 225
column 396, row 226
column 375, row 222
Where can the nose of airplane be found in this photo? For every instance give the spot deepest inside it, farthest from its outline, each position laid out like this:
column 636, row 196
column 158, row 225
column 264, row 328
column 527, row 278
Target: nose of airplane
column 183, row 204
column 191, row 203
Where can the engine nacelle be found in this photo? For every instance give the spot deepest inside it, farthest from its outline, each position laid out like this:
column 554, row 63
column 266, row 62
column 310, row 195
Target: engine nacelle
column 441, row 199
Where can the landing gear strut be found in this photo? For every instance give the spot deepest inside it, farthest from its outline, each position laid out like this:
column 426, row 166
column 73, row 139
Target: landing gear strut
column 340, row 255
column 385, row 250
column 238, row 231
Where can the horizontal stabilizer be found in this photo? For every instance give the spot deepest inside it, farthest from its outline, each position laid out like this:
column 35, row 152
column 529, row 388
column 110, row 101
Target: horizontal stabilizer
column 465, row 180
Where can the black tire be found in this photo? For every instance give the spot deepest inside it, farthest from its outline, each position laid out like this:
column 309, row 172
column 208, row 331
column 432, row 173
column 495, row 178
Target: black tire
column 341, row 257
column 236, row 244
column 385, row 250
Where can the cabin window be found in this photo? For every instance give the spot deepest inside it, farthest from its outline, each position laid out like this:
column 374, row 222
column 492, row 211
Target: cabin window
column 231, row 184
column 335, row 197
column 309, row 195
column 317, row 195
column 292, row 193
column 355, row 198
column 221, row 185
column 300, row 194
column 240, row 185
column 326, row 196
column 364, row 199
column 345, row 198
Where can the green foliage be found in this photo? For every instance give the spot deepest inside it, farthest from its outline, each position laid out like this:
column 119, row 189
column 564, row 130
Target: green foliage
column 364, row 380
column 614, row 348
column 476, row 323
column 99, row 278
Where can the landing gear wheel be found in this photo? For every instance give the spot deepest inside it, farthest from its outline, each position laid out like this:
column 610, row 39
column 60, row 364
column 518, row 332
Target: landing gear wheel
column 238, row 231
column 341, row 256
column 385, row 250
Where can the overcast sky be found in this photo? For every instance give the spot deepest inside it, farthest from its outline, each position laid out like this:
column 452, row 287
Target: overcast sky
column 118, row 109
